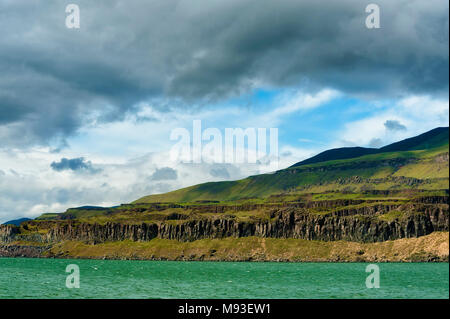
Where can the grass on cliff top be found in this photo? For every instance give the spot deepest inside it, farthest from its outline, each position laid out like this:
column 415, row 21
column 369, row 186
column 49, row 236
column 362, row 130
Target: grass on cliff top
column 240, row 210
column 48, row 216
column 180, row 215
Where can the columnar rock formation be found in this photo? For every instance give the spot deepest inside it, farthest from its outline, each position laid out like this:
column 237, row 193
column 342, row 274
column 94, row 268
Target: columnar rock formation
column 366, row 223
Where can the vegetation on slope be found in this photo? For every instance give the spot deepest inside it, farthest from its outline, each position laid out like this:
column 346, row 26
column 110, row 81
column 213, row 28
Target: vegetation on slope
column 431, row 139
column 433, row 247
column 406, row 169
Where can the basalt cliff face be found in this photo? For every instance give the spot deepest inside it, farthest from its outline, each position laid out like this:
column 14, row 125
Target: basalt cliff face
column 371, row 223
column 285, row 223
column 8, row 233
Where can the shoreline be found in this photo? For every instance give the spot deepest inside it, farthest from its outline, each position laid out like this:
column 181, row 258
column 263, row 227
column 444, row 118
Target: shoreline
column 430, row 248
column 239, row 261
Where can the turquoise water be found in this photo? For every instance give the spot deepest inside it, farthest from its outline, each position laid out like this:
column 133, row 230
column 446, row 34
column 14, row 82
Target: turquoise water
column 46, row 278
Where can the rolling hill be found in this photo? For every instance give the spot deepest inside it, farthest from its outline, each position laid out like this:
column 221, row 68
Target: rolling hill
column 17, row 222
column 431, row 139
column 419, row 162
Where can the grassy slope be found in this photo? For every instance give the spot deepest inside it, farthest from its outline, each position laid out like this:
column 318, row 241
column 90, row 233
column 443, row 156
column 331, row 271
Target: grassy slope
column 422, row 165
column 431, row 247
column 431, row 139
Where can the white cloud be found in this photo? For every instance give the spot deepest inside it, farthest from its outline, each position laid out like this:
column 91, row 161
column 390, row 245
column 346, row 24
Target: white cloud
column 29, row 187
column 305, row 101
column 291, row 155
column 290, row 103
column 417, row 113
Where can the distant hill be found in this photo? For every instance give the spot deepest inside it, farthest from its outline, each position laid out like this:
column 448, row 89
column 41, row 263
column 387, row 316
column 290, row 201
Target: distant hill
column 420, row 162
column 431, row 139
column 17, row 222
column 78, row 211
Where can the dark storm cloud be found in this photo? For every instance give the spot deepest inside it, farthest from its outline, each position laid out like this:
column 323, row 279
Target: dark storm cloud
column 55, row 80
column 165, row 173
column 74, row 164
column 393, row 125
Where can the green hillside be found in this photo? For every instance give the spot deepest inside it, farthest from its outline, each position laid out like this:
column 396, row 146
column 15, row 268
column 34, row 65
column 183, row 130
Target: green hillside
column 431, row 139
column 417, row 163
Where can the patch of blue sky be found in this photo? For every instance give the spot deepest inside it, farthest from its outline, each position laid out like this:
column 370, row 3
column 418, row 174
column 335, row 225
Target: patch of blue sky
column 319, row 126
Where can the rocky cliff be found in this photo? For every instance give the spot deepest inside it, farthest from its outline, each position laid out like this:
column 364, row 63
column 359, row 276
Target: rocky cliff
column 366, row 224
column 338, row 221
column 8, row 233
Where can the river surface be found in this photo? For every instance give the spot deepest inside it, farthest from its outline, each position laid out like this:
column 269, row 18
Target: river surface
column 46, row 278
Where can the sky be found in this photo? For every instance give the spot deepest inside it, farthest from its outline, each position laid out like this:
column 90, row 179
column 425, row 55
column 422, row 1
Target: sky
column 86, row 114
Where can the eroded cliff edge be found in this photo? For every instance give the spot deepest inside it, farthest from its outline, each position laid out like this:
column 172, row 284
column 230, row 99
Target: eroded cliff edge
column 357, row 221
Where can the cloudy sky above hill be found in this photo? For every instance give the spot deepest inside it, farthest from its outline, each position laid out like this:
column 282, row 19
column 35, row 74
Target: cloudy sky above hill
column 86, row 114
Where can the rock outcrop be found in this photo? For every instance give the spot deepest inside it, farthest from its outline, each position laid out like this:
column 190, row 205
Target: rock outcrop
column 22, row 251
column 365, row 224
column 8, row 233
